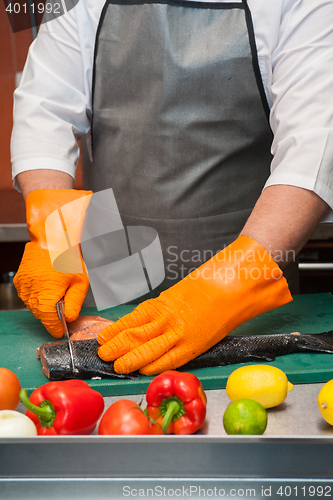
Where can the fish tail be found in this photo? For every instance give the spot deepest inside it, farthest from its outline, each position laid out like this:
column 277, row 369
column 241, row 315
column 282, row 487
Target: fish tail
column 320, row 342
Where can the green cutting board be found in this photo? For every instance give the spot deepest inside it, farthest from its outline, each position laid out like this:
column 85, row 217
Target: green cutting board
column 21, row 334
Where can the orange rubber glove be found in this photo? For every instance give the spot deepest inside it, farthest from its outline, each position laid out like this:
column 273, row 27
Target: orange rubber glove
column 237, row 284
column 37, row 281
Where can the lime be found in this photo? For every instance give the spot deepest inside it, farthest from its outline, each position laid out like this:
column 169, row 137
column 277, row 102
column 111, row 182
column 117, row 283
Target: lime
column 245, row 416
column 264, row 383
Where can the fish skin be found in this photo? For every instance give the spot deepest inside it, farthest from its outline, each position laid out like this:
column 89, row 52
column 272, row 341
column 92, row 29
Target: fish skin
column 231, row 350
column 56, row 361
column 242, row 349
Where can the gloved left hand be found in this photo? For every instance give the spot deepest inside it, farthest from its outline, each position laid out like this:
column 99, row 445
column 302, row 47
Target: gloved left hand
column 40, row 283
column 239, row 283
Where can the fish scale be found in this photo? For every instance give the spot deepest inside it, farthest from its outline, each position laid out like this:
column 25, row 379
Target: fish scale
column 241, row 349
column 57, row 364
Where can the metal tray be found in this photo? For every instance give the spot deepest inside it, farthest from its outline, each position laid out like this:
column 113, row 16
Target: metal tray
column 117, row 467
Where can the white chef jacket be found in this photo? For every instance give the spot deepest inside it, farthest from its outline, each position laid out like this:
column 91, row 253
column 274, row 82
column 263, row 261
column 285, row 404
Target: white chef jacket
column 294, row 38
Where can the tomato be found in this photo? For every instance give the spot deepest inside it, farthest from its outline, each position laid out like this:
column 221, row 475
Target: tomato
column 125, row 417
column 9, row 390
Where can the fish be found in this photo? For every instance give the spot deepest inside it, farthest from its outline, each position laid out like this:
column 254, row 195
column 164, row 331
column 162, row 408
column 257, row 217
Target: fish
column 242, row 349
column 87, row 327
column 56, row 363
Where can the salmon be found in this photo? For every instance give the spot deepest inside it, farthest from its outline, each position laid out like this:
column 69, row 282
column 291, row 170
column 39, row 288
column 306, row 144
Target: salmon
column 242, row 349
column 56, row 361
column 57, row 365
column 87, row 327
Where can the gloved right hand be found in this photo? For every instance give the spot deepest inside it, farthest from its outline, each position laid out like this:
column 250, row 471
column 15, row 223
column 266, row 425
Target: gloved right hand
column 237, row 284
column 41, row 283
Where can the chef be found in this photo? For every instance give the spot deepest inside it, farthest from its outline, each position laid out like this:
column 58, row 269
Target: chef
column 212, row 122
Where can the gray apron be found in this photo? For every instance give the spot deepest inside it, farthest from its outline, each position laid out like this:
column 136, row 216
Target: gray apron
column 180, row 126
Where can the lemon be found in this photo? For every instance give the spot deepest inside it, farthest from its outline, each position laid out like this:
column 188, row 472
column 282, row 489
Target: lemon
column 245, row 416
column 325, row 402
column 264, row 383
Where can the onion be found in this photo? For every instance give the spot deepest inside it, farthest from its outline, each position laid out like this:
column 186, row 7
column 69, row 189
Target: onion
column 16, row 424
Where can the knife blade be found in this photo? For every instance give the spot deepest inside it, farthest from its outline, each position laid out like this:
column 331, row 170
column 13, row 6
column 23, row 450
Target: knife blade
column 61, row 316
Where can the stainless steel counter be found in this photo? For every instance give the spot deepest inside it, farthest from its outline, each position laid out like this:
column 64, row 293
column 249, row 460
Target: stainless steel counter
column 13, row 226
column 14, row 232
column 292, row 459
column 297, row 416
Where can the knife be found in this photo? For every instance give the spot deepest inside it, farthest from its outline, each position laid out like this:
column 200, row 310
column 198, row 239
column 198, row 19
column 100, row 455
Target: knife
column 61, row 316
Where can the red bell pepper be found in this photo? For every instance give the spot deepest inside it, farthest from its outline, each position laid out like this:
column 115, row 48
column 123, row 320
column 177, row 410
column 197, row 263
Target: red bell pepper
column 64, row 408
column 177, row 402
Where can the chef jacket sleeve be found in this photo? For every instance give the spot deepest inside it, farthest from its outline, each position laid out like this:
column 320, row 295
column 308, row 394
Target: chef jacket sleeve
column 302, row 99
column 52, row 104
